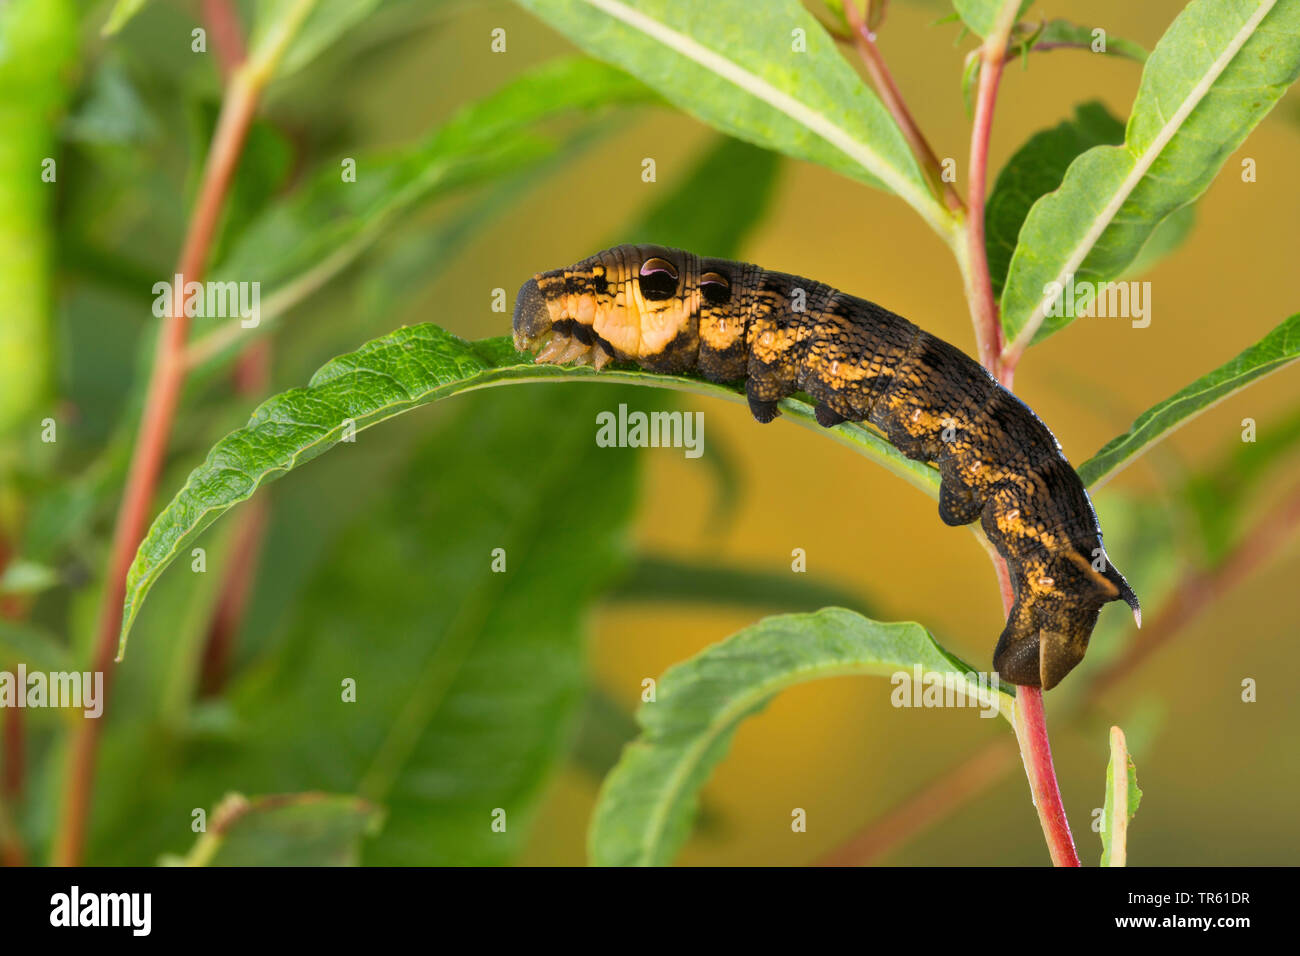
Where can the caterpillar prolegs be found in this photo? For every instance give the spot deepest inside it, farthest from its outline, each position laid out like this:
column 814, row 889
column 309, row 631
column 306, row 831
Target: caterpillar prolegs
column 672, row 311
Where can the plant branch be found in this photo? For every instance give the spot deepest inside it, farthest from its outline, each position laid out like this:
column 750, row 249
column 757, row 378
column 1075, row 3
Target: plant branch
column 979, row 287
column 222, row 18
column 165, row 383
column 13, row 741
column 1030, row 717
column 1036, row 753
column 864, row 40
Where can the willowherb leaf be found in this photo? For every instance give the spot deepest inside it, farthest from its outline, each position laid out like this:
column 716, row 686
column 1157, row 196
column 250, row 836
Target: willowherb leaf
column 1034, row 170
column 303, row 241
column 646, row 806
column 658, row 579
column 1274, row 351
column 1038, row 167
column 1063, row 33
column 1213, row 76
column 405, row 369
column 766, row 73
column 326, row 23
column 121, row 14
column 979, row 16
column 292, row 829
column 1122, row 799
column 392, row 374
column 1220, row 495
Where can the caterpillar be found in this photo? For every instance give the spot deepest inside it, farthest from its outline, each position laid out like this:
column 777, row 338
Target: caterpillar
column 671, row 311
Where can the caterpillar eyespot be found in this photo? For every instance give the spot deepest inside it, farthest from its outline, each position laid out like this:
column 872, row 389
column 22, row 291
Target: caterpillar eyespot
column 784, row 334
column 658, row 279
column 715, row 288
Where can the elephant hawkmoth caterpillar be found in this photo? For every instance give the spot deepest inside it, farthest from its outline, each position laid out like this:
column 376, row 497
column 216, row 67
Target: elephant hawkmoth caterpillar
column 672, row 311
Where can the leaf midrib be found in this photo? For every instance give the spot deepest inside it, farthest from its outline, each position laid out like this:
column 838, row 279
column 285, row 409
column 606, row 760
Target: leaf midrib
column 860, row 152
column 1141, row 166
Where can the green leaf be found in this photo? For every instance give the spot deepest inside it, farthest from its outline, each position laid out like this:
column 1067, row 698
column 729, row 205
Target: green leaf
column 1172, row 232
column 734, row 65
column 980, row 16
column 1044, row 37
column 301, row 243
column 1274, row 351
column 277, row 29
column 646, row 806
column 326, row 23
column 427, row 648
column 22, row 576
column 604, row 730
column 1221, row 495
column 1216, row 72
column 392, row 374
column 1037, row 169
column 298, row 829
column 656, row 579
column 1122, row 799
column 1063, row 33
column 1033, row 171
column 122, row 11
column 467, row 659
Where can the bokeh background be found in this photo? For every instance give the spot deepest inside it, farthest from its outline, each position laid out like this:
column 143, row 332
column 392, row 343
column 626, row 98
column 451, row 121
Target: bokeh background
column 1218, row 775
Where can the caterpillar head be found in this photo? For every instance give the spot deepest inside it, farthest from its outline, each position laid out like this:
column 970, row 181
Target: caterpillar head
column 1051, row 622
column 636, row 303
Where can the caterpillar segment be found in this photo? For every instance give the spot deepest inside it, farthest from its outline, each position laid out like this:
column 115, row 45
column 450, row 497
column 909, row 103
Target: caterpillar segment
column 671, row 311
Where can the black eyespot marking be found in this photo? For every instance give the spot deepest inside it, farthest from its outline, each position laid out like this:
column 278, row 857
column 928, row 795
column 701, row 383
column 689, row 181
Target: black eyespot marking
column 715, row 288
column 658, row 280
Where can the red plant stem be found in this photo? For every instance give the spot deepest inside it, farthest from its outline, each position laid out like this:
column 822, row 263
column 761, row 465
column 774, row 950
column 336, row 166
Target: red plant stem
column 227, row 38
column 165, row 382
column 1030, row 718
column 14, row 769
column 11, row 850
column 883, row 81
column 979, row 288
column 251, row 376
column 1036, row 751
